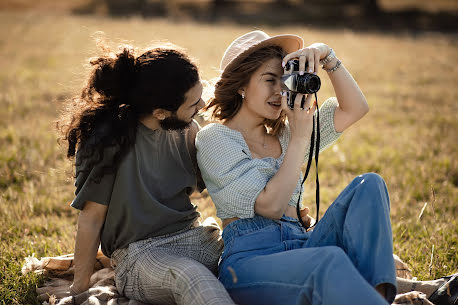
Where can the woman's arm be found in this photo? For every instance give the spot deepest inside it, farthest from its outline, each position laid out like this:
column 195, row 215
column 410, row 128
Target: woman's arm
column 273, row 200
column 90, row 222
column 352, row 103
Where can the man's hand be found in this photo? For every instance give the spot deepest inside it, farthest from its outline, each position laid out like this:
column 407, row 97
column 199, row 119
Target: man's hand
column 306, row 218
column 59, row 288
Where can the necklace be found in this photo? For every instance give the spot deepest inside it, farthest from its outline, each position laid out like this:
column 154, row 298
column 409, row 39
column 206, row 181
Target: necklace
column 264, row 144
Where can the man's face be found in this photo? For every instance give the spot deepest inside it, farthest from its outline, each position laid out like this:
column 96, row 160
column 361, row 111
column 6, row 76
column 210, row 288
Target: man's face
column 182, row 118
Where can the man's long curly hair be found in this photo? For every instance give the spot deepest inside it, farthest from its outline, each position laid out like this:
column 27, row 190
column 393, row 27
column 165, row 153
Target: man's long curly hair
column 122, row 89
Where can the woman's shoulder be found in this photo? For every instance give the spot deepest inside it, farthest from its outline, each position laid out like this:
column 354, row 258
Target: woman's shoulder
column 214, row 128
column 216, row 132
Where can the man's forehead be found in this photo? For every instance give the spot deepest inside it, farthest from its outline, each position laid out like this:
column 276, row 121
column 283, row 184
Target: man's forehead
column 194, row 94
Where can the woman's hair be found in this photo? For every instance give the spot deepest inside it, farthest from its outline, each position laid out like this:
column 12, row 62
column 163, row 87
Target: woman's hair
column 122, row 89
column 227, row 102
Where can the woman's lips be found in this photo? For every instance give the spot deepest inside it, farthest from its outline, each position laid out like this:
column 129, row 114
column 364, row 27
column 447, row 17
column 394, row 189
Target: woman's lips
column 275, row 104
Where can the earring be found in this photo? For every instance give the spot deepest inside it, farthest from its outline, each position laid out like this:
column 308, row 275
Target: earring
column 243, row 95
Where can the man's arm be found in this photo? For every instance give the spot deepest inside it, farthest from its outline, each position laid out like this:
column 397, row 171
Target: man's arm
column 90, row 222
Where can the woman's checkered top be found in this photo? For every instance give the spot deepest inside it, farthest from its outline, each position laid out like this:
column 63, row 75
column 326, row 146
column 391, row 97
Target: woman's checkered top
column 234, row 178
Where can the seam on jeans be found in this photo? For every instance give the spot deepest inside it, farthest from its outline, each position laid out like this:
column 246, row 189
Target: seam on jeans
column 285, row 244
column 316, row 295
column 244, row 227
column 227, row 247
column 258, row 230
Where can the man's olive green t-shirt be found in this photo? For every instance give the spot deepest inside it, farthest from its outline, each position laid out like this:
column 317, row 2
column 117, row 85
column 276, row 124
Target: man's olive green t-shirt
column 148, row 195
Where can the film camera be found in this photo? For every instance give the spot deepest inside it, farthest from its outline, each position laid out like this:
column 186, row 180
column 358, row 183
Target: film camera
column 306, row 84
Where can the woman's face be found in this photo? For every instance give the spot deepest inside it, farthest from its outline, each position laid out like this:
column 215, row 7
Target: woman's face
column 263, row 91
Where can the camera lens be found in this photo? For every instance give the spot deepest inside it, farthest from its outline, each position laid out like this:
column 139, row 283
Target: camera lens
column 308, row 83
column 313, row 84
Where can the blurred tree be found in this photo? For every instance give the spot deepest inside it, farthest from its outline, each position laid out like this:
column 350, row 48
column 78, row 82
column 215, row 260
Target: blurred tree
column 370, row 7
column 121, row 7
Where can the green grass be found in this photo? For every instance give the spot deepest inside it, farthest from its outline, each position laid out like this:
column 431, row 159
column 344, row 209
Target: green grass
column 409, row 136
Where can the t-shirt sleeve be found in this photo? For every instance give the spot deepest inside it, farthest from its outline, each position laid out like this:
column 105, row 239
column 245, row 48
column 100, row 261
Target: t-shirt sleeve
column 233, row 179
column 89, row 185
column 328, row 133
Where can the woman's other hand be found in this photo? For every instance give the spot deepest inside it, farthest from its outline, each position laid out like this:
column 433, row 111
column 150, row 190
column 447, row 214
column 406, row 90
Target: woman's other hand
column 306, row 218
column 300, row 119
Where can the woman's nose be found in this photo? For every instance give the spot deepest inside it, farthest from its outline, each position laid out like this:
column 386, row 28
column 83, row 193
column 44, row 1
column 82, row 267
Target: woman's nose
column 278, row 87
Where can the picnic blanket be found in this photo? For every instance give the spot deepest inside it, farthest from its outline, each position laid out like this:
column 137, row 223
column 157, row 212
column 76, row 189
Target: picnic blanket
column 59, row 271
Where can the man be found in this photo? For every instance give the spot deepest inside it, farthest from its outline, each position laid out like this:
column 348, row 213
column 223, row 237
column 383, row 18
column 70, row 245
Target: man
column 135, row 163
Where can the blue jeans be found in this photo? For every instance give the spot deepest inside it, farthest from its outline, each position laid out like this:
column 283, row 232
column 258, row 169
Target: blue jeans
column 349, row 252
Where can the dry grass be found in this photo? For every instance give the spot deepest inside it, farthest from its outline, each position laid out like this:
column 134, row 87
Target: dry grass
column 409, row 136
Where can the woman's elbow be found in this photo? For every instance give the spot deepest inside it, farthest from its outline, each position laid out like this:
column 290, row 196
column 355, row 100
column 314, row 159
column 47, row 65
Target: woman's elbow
column 365, row 107
column 360, row 111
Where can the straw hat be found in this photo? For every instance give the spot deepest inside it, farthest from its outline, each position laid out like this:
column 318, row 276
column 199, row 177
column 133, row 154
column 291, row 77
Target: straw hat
column 246, row 44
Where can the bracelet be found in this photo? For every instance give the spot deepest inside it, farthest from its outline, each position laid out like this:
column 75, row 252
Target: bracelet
column 328, row 58
column 337, row 66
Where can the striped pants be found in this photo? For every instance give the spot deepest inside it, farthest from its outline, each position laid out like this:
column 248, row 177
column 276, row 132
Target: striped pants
column 177, row 268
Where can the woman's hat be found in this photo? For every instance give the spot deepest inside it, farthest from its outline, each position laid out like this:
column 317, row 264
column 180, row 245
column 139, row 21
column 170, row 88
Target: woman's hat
column 246, row 44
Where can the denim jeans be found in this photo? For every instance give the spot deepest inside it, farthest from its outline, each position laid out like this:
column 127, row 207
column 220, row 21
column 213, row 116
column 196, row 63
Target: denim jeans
column 349, row 252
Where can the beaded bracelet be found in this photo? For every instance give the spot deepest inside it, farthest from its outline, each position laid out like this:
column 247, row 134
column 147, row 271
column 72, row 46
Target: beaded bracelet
column 330, row 70
column 328, row 58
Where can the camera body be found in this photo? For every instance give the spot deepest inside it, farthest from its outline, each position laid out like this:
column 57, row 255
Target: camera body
column 295, row 83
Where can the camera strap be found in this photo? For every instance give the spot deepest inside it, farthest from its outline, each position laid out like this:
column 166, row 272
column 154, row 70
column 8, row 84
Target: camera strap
column 314, row 144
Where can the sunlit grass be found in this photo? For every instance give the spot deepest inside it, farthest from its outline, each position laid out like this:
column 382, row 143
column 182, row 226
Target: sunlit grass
column 409, row 136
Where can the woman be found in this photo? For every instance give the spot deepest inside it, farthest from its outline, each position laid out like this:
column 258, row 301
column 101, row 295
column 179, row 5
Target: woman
column 251, row 166
column 132, row 131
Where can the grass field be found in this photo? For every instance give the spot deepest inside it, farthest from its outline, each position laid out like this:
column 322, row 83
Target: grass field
column 409, row 136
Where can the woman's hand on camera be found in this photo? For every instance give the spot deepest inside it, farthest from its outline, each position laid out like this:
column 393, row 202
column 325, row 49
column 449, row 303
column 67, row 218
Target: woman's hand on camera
column 300, row 118
column 309, row 56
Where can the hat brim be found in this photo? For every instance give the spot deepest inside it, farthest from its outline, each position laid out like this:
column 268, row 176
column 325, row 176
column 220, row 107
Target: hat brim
column 289, row 43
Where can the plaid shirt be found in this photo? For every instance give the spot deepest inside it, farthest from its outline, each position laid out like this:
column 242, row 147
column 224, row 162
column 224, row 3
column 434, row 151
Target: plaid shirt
column 234, row 178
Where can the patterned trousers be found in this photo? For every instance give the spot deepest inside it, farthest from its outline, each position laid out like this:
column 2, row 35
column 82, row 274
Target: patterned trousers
column 177, row 268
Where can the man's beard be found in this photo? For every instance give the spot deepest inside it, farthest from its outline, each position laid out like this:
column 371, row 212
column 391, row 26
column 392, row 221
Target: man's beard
column 174, row 123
